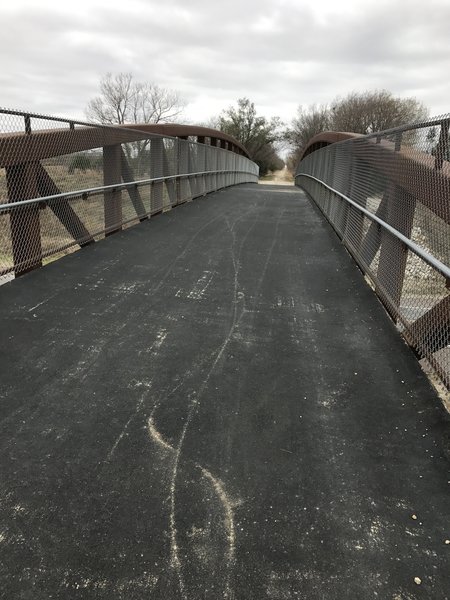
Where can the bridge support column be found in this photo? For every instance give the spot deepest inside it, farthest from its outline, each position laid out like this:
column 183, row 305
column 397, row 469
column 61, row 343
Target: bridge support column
column 21, row 182
column 133, row 192
column 193, row 162
column 393, row 255
column 183, row 193
column 156, row 170
column 358, row 191
column 170, row 167
column 112, row 173
column 62, row 210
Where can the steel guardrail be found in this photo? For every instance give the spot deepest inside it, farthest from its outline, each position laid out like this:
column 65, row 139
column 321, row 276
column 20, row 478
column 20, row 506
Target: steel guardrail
column 387, row 195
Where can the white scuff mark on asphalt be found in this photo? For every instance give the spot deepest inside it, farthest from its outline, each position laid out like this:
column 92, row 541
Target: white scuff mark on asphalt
column 282, row 302
column 119, row 438
column 157, row 436
column 199, row 289
column 160, row 337
column 123, row 287
column 175, row 561
column 217, row 485
column 228, row 521
column 41, row 303
column 37, row 305
column 168, row 268
column 237, row 300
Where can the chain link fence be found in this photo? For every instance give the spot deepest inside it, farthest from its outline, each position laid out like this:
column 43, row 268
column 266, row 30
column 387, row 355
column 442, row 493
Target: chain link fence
column 387, row 195
column 66, row 184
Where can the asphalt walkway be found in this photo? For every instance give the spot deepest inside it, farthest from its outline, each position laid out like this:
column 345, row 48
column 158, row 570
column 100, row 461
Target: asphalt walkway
column 214, row 405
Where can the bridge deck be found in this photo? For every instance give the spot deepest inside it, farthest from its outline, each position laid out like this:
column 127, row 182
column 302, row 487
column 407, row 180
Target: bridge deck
column 213, row 404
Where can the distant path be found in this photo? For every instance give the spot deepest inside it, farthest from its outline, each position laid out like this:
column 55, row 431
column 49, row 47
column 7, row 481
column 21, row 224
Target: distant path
column 281, row 177
column 214, row 405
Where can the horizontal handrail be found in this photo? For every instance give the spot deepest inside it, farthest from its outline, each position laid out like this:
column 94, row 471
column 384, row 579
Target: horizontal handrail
column 425, row 256
column 8, row 206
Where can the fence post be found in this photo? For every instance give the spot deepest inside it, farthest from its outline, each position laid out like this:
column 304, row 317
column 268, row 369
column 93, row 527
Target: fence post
column 183, row 167
column 112, row 173
column 135, row 196
column 400, row 211
column 393, row 255
column 442, row 150
column 21, row 182
column 156, row 170
column 359, row 192
column 171, row 167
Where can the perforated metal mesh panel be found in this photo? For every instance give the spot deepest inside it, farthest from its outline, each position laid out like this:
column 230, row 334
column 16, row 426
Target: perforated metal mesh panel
column 399, row 178
column 65, row 184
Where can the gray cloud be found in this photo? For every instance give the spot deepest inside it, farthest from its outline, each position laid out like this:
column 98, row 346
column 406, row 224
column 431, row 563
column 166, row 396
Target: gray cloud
column 278, row 53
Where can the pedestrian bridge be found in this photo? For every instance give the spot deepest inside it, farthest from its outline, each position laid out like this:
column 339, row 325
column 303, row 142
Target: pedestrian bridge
column 224, row 401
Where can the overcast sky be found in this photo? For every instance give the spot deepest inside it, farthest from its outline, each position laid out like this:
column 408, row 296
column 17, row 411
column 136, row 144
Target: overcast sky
column 278, row 53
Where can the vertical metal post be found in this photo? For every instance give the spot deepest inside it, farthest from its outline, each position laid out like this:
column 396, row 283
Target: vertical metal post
column 192, row 160
column 393, row 255
column 21, row 183
column 183, row 167
column 442, row 149
column 135, row 196
column 359, row 192
column 112, row 173
column 156, row 170
column 400, row 211
column 171, row 167
column 27, row 120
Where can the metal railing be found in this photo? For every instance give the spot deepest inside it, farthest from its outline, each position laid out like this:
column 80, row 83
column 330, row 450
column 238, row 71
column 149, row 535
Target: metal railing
column 65, row 184
column 387, row 195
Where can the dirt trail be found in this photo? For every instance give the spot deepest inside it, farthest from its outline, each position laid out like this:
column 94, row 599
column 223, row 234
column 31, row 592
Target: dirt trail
column 281, row 177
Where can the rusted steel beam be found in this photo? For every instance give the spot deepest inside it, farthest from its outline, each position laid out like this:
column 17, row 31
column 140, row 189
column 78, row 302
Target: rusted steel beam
column 171, row 185
column 156, row 170
column 19, row 148
column 63, row 211
column 135, row 196
column 372, row 239
column 175, row 130
column 442, row 147
column 417, row 173
column 393, row 255
column 183, row 192
column 25, row 226
column 432, row 330
column 412, row 171
column 112, row 173
column 193, row 181
column 325, row 139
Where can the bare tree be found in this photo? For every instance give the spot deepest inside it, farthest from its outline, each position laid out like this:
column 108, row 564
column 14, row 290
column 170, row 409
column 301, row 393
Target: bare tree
column 308, row 123
column 371, row 111
column 123, row 100
column 359, row 112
